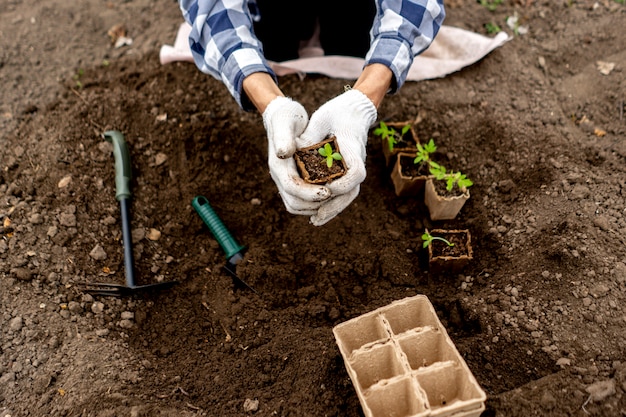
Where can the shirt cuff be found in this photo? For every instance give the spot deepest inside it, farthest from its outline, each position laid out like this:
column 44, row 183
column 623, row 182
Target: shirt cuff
column 239, row 65
column 394, row 53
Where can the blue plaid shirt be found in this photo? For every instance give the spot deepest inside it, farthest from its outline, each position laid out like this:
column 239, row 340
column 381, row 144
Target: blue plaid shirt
column 223, row 43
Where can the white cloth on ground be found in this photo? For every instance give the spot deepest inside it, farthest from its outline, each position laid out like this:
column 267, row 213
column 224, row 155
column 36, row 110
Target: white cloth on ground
column 452, row 50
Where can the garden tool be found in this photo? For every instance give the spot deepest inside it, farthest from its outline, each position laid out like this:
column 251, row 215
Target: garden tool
column 122, row 188
column 234, row 252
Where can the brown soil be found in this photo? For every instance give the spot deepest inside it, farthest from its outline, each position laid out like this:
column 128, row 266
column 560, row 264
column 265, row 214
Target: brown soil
column 314, row 168
column 441, row 188
column 411, row 170
column 458, row 245
column 539, row 315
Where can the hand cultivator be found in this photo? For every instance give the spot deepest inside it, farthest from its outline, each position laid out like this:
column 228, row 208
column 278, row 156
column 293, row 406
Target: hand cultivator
column 122, row 188
column 234, row 252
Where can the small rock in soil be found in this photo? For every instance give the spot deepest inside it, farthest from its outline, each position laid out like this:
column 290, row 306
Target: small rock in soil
column 52, row 231
column 620, row 272
column 602, row 222
column 599, row 290
column 36, row 218
column 16, row 324
column 579, row 192
column 250, row 405
column 67, row 219
column 563, row 362
column 97, row 307
column 41, row 383
column 127, row 315
column 98, row 253
column 126, row 324
column 65, row 181
column 154, row 234
column 601, row 390
column 23, row 274
column 74, row 307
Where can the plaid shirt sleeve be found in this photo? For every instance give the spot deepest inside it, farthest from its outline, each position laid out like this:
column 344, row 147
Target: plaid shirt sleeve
column 403, row 29
column 223, row 44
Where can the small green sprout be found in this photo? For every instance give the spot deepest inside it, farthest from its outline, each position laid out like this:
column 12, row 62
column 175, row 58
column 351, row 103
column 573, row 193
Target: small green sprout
column 492, row 28
column 77, row 78
column 491, row 5
column 428, row 239
column 451, row 178
column 390, row 134
column 423, row 152
column 327, row 152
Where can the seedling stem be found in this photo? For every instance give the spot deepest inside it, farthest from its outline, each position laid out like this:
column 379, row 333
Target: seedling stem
column 428, row 238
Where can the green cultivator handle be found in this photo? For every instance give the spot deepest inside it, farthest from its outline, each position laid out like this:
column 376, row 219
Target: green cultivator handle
column 122, row 163
column 210, row 218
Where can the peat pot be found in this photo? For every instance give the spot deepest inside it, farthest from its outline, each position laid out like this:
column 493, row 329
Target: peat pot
column 408, row 142
column 312, row 165
column 443, row 207
column 408, row 178
column 443, row 258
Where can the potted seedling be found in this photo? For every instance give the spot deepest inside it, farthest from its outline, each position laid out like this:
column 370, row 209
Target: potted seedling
column 445, row 192
column 396, row 137
column 320, row 163
column 448, row 250
column 411, row 170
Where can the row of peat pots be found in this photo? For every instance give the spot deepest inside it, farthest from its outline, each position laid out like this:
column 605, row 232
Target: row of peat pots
column 416, row 173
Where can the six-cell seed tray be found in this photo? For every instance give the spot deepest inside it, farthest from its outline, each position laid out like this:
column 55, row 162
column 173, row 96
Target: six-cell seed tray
column 403, row 363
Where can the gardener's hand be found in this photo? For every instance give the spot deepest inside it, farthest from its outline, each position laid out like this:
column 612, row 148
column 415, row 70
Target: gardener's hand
column 348, row 117
column 284, row 120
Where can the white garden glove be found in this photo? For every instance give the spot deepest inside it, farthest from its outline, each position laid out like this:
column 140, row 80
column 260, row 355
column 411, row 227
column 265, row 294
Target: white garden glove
column 348, row 117
column 284, row 120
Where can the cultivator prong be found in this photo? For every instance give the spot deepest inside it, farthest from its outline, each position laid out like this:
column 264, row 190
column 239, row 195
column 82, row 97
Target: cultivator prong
column 119, row 290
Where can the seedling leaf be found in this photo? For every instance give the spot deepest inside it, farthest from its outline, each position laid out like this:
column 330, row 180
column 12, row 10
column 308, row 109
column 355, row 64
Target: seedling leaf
column 389, row 134
column 327, row 152
column 423, row 152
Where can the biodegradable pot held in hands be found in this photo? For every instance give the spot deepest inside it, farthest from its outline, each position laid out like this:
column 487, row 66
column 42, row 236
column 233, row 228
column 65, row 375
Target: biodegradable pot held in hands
column 316, row 168
column 407, row 176
column 443, row 204
column 449, row 250
column 405, row 141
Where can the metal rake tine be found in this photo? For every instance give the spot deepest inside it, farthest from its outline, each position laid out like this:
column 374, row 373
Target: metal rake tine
column 113, row 290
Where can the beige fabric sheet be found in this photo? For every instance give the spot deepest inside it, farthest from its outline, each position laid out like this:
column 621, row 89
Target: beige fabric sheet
column 452, row 49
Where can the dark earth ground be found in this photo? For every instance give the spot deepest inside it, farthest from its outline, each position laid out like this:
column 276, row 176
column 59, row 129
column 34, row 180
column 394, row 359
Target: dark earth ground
column 539, row 316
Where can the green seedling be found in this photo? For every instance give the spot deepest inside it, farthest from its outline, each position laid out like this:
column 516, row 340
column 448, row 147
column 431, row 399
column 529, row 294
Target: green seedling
column 327, row 152
column 491, row 5
column 492, row 28
column 77, row 78
column 423, row 152
column 452, row 178
column 390, row 134
column 428, row 239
